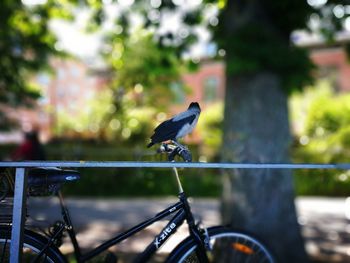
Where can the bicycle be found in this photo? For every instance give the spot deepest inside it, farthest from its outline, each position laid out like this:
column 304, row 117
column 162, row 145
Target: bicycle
column 213, row 244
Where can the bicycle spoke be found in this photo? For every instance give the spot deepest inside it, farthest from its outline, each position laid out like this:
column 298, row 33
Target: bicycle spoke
column 228, row 246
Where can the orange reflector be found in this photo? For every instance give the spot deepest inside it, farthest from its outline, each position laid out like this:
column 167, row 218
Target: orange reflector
column 242, row 248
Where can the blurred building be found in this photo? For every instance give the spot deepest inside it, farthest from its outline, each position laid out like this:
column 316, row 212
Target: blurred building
column 333, row 63
column 207, row 84
column 67, row 88
column 73, row 83
column 332, row 60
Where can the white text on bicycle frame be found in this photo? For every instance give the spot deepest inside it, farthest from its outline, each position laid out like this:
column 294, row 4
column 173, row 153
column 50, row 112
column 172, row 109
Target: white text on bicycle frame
column 166, row 232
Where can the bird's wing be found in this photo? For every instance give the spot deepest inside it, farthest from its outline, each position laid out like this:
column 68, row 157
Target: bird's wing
column 183, row 115
column 169, row 129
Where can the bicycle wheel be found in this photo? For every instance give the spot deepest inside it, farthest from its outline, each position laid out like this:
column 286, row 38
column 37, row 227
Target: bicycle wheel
column 33, row 243
column 225, row 246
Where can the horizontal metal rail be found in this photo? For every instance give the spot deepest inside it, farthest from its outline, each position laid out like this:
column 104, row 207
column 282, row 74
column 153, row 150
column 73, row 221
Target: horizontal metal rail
column 20, row 183
column 94, row 164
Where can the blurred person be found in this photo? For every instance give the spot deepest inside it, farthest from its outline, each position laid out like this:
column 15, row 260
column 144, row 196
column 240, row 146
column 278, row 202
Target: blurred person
column 30, row 148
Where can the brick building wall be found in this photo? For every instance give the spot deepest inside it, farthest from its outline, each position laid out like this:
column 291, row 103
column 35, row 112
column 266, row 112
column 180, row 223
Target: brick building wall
column 66, row 90
column 210, row 78
column 333, row 63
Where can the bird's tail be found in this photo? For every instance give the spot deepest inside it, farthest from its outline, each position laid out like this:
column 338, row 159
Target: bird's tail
column 150, row 144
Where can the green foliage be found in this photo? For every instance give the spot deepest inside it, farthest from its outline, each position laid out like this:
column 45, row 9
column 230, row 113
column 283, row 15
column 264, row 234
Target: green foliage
column 210, row 127
column 25, row 45
column 322, row 138
column 100, row 119
column 149, row 182
column 87, row 122
column 130, row 182
column 140, row 71
column 254, row 48
column 137, row 60
column 257, row 37
column 136, row 125
column 328, row 115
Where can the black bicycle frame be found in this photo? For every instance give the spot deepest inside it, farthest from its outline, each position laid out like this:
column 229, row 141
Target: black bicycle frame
column 183, row 213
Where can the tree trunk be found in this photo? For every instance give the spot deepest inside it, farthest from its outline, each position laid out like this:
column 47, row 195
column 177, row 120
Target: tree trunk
column 256, row 129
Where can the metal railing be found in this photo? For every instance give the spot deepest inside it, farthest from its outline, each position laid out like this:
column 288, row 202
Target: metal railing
column 19, row 199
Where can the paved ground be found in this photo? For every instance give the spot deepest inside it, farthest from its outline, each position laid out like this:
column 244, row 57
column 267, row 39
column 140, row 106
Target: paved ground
column 326, row 228
column 325, row 223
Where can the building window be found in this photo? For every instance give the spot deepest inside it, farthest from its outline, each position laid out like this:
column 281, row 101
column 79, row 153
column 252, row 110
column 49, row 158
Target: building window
column 74, row 71
column 211, row 86
column 60, row 92
column 178, row 92
column 61, row 74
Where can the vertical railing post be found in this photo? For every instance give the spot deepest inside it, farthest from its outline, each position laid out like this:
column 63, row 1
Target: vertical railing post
column 18, row 215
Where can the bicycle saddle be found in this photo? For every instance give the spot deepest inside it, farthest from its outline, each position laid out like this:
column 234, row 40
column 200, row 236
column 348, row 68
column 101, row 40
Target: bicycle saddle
column 51, row 175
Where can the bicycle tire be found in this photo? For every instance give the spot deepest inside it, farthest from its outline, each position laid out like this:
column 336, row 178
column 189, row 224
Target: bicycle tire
column 239, row 247
column 33, row 243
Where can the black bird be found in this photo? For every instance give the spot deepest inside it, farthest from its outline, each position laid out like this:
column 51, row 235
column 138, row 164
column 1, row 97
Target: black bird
column 178, row 126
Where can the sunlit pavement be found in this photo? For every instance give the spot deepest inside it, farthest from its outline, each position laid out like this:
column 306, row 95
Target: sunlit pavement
column 325, row 222
column 326, row 227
